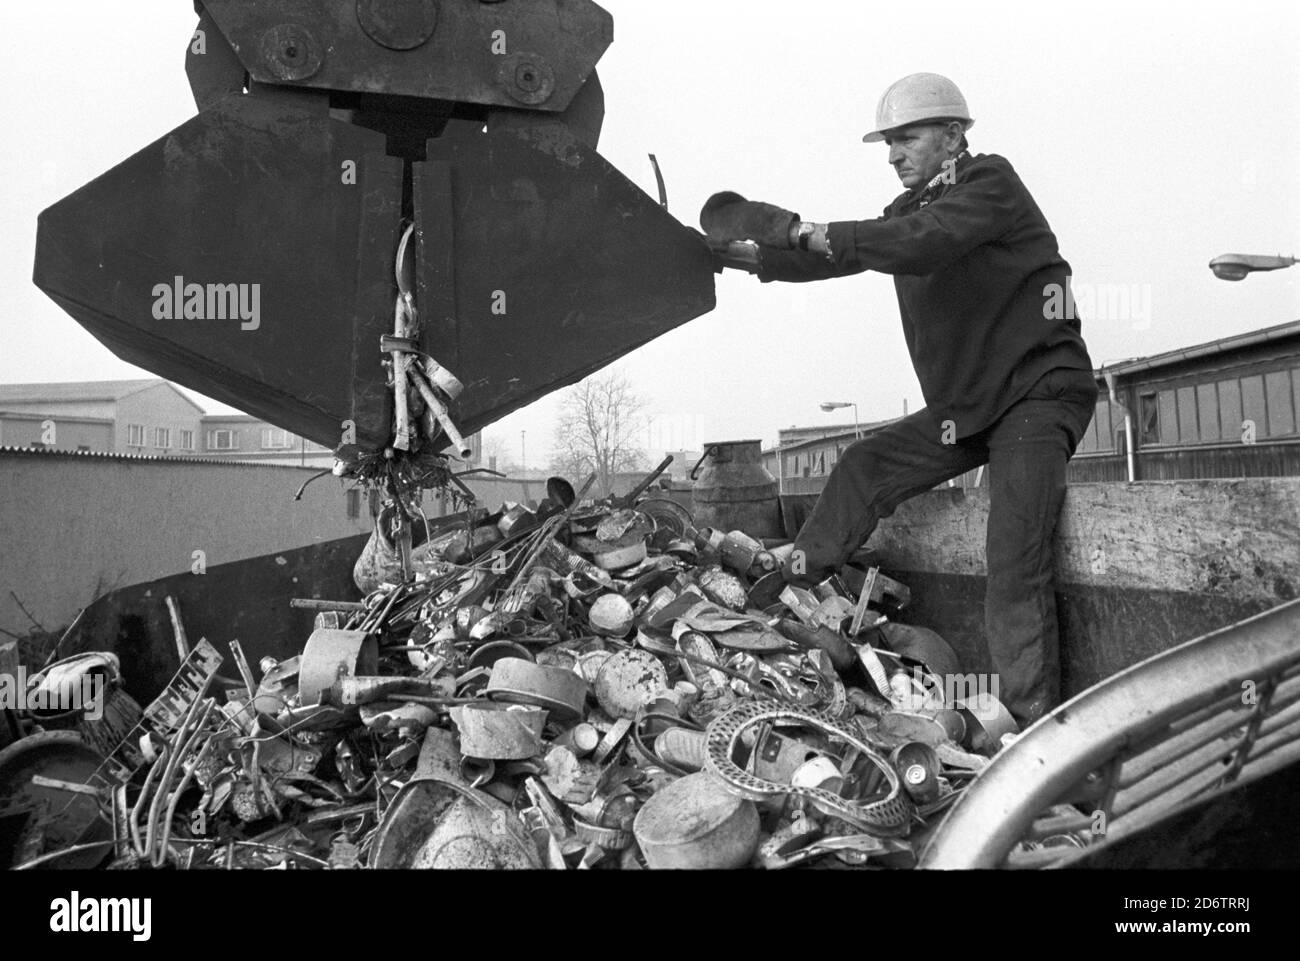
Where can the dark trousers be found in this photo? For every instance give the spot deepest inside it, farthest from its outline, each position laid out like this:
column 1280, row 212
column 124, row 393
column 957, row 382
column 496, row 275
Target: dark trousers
column 1026, row 451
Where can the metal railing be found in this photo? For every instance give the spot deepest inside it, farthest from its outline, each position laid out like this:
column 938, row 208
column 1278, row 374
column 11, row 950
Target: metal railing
column 1221, row 709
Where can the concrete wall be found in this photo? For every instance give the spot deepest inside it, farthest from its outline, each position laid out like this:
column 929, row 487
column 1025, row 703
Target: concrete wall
column 74, row 526
column 1139, row 567
column 491, row 492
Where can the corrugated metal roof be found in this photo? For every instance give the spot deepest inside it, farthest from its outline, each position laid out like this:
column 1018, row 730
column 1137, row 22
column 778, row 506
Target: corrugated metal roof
column 75, row 390
column 835, row 430
column 847, row 437
column 1207, row 349
column 61, row 418
column 140, row 458
column 87, row 390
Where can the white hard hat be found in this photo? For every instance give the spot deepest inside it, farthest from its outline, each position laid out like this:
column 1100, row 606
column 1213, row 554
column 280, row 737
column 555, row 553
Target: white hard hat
column 918, row 97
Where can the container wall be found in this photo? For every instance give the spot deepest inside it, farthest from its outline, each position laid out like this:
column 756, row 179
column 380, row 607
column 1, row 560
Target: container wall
column 1140, row 567
column 74, row 527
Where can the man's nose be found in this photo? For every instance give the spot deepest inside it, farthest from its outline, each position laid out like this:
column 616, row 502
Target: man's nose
column 895, row 155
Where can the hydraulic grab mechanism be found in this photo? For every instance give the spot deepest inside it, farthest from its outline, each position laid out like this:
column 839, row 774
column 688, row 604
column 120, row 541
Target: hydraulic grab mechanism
column 388, row 225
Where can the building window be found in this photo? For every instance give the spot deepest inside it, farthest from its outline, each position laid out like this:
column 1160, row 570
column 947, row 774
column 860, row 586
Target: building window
column 221, row 440
column 135, row 435
column 1230, row 409
column 83, row 447
column 187, row 440
column 1102, row 419
column 1281, row 418
column 1149, row 418
column 354, row 504
column 275, row 439
column 162, row 437
column 1168, row 417
column 1187, row 430
column 1252, row 403
column 1097, row 436
column 1295, row 392
column 1088, row 442
column 1207, row 408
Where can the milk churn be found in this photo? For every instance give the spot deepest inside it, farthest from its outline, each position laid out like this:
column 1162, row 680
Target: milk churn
column 732, row 490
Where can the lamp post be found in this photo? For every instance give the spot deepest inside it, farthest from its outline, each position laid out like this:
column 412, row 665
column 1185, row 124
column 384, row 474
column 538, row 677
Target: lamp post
column 830, row 405
column 523, row 452
column 1237, row 266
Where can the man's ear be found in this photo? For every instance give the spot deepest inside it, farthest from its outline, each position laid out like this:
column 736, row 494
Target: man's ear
column 952, row 135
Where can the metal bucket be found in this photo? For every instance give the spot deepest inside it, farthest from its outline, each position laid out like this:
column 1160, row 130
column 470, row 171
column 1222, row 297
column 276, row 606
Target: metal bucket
column 732, row 490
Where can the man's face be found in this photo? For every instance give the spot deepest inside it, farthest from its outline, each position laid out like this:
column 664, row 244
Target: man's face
column 917, row 152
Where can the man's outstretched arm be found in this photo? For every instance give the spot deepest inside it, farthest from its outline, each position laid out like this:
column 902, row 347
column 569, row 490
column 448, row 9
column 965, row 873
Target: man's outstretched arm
column 757, row 237
column 800, row 266
column 974, row 212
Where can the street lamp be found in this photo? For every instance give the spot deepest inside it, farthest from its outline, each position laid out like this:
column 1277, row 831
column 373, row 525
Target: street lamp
column 1237, row 266
column 830, row 405
column 523, row 452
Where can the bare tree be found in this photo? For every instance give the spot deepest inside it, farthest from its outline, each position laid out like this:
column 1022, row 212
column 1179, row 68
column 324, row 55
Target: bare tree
column 497, row 453
column 598, row 422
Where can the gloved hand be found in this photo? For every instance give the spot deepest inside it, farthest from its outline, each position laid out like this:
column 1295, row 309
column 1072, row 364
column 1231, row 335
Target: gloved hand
column 728, row 216
column 738, row 255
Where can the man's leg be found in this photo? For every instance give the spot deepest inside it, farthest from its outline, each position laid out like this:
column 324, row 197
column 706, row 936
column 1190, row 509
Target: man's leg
column 872, row 477
column 1028, row 450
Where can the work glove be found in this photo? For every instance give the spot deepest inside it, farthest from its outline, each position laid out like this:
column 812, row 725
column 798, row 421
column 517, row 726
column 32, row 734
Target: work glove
column 728, row 216
column 738, row 255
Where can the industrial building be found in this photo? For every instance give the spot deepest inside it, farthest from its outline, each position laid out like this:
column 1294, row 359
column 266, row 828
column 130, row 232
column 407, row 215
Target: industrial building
column 1223, row 409
column 1227, row 408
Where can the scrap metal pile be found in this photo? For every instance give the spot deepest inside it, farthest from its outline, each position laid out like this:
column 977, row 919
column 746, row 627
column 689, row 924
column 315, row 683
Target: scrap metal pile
column 577, row 686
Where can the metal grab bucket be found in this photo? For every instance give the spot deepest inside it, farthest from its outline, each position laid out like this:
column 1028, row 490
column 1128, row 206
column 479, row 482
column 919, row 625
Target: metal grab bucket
column 732, row 490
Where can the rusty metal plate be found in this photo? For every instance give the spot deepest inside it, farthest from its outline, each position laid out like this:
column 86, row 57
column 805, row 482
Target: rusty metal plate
column 535, row 54
column 249, row 193
column 540, row 263
column 249, row 255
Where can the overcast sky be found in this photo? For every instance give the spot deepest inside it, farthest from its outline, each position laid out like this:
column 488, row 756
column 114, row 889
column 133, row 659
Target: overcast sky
column 1153, row 136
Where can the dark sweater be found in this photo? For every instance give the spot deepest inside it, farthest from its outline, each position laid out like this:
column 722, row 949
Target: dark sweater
column 973, row 264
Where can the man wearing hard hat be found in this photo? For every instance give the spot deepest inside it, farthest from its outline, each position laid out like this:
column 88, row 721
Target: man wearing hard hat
column 1007, row 381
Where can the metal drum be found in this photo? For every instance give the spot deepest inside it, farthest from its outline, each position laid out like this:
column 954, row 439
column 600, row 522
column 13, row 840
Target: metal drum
column 732, row 490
